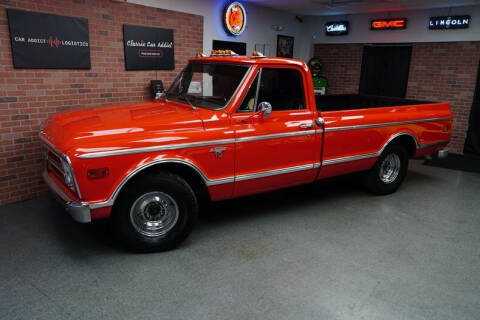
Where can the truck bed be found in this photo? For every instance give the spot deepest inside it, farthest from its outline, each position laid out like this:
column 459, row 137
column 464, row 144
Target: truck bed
column 360, row 101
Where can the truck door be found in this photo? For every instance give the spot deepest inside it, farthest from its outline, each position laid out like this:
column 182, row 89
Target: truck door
column 279, row 149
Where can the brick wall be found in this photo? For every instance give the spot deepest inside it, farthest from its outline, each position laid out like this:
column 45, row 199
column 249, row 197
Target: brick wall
column 342, row 65
column 29, row 96
column 440, row 71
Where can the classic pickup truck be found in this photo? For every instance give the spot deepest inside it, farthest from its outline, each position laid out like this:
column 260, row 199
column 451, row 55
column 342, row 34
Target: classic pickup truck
column 228, row 126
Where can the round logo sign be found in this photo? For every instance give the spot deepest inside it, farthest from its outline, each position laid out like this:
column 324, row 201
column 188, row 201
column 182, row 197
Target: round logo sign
column 235, row 18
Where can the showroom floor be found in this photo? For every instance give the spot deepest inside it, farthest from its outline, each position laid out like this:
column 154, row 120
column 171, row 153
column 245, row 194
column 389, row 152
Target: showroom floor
column 324, row 251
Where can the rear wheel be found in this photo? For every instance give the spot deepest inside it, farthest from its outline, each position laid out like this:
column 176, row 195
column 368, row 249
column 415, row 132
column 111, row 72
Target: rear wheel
column 389, row 171
column 155, row 213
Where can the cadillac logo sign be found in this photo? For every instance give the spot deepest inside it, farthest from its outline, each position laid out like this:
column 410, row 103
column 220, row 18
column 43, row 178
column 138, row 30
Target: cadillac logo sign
column 336, row 28
column 235, row 18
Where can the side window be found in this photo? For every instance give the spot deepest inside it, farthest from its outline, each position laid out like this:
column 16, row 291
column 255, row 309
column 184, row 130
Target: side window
column 248, row 103
column 282, row 88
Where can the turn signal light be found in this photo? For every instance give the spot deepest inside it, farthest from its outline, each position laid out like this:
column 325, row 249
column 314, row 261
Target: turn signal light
column 223, row 53
column 257, row 54
column 97, row 173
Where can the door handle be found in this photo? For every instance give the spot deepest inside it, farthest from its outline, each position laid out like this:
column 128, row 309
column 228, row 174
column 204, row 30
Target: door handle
column 320, row 122
column 306, row 125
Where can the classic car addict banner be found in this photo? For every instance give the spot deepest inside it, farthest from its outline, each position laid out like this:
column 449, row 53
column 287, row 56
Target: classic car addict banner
column 148, row 48
column 49, row 41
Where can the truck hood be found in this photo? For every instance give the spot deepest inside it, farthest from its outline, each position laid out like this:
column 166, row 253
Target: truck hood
column 100, row 124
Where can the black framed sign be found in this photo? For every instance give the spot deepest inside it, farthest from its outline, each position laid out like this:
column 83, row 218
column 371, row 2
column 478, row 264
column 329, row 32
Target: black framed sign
column 48, row 41
column 148, row 48
column 449, row 22
column 336, row 28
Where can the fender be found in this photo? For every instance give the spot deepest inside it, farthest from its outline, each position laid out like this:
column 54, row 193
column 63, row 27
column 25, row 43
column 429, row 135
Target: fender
column 396, row 135
column 144, row 166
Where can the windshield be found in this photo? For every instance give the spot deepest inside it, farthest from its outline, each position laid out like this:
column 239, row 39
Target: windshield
column 207, row 85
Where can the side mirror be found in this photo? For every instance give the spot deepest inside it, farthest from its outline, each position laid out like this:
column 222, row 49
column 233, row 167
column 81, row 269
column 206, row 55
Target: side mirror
column 265, row 108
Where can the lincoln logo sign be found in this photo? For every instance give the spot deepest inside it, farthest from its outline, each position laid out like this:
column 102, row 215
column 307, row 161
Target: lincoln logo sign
column 450, row 22
column 389, row 24
column 48, row 41
column 336, row 28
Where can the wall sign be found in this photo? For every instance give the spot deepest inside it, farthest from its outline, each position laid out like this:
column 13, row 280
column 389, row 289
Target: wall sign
column 336, row 28
column 449, row 22
column 285, row 46
column 389, row 24
column 48, row 41
column 235, row 18
column 148, row 48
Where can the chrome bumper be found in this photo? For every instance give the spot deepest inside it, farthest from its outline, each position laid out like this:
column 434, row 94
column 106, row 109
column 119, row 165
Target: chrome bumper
column 79, row 211
column 442, row 154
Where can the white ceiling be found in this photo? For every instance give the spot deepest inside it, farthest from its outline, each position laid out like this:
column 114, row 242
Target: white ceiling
column 335, row 7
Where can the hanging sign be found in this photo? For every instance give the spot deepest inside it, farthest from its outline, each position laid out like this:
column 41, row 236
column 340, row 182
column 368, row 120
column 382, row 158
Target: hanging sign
column 48, row 41
column 148, row 48
column 235, row 18
column 449, row 22
column 336, row 28
column 389, row 24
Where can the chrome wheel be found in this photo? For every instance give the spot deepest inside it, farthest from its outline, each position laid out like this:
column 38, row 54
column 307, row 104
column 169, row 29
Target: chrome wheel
column 154, row 214
column 390, row 168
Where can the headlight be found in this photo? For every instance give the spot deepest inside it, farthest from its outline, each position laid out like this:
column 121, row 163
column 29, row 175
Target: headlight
column 67, row 174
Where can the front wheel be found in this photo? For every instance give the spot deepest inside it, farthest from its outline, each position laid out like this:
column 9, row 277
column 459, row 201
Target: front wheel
column 155, row 213
column 389, row 171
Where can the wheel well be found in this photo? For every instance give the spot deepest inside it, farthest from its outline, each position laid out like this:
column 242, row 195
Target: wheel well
column 190, row 175
column 406, row 141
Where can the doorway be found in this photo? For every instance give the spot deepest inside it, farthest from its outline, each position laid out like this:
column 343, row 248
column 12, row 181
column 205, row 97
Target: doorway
column 385, row 70
column 472, row 143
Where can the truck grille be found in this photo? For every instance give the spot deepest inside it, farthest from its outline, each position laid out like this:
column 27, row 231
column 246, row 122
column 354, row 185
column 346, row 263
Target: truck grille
column 54, row 165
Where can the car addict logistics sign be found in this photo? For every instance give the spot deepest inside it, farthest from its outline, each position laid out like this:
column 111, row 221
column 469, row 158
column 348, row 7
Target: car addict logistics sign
column 48, row 41
column 148, row 48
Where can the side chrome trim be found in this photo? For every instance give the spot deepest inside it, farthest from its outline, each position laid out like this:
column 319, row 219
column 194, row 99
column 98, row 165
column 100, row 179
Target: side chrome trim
column 275, row 172
column 428, row 145
column 376, row 154
column 208, row 182
column 101, row 154
column 275, row 136
column 385, row 124
column 350, row 158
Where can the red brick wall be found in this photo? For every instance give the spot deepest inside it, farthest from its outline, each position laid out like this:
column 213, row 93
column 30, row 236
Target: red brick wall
column 440, row 71
column 446, row 71
column 29, row 96
column 342, row 65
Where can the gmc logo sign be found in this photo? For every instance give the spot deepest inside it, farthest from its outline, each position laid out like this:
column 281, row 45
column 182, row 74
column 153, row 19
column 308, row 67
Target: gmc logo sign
column 389, row 24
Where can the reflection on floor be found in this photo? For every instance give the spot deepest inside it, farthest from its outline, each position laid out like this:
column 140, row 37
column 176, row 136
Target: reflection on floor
column 323, row 251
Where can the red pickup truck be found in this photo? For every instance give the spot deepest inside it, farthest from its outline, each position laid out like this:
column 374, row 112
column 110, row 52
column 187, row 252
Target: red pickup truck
column 228, row 127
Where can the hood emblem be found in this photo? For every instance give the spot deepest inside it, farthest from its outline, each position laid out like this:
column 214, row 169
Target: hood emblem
column 218, row 151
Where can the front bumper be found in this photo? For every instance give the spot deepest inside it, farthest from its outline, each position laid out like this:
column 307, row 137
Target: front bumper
column 79, row 211
column 442, row 154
